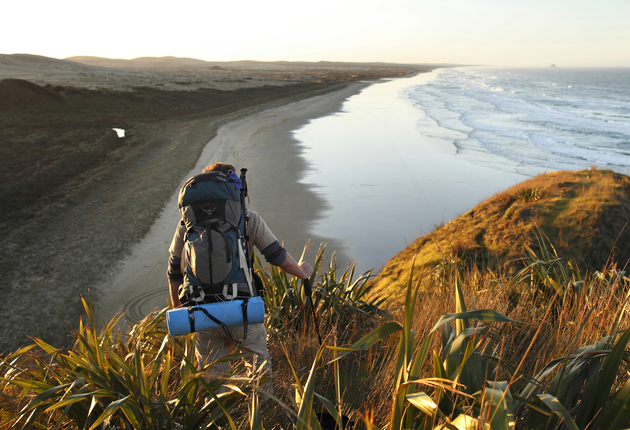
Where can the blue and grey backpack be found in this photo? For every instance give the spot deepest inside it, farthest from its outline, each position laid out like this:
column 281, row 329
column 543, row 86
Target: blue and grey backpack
column 215, row 257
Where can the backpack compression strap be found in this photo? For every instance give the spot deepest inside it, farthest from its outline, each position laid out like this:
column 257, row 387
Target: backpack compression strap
column 245, row 267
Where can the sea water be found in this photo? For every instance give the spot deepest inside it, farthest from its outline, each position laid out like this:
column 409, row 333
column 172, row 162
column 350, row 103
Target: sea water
column 553, row 118
column 406, row 155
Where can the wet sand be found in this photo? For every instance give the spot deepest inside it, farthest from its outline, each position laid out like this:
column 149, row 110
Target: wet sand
column 262, row 142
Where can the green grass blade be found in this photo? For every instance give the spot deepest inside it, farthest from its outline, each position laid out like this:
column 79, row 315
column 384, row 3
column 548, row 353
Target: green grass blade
column 165, row 374
column 368, row 340
column 256, row 418
column 460, row 304
column 78, row 398
column 49, row 349
column 18, row 353
column 618, row 413
column 398, row 408
column 424, row 403
column 608, row 375
column 479, row 315
column 307, row 419
column 218, row 402
column 29, row 384
column 556, row 407
column 331, row 409
column 414, row 374
column 45, row 396
column 157, row 360
column 93, row 403
column 496, row 396
column 109, row 411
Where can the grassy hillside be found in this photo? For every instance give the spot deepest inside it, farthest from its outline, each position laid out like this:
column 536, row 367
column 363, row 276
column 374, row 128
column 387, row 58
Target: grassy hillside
column 479, row 353
column 583, row 213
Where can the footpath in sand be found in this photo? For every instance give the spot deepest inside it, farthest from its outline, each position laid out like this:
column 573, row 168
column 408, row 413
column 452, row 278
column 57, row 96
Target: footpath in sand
column 263, row 143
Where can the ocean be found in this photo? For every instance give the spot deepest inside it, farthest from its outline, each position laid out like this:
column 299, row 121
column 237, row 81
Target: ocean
column 405, row 155
column 553, row 118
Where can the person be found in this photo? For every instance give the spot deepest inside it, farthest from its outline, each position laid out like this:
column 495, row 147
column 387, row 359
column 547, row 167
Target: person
column 214, row 344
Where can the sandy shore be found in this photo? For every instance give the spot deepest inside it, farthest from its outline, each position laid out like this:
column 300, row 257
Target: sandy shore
column 395, row 174
column 263, row 142
column 76, row 198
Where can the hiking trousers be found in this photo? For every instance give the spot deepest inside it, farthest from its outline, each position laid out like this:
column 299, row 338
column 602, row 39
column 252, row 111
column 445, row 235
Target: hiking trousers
column 213, row 344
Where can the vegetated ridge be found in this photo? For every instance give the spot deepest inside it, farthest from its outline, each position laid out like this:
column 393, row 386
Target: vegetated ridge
column 584, row 214
column 170, row 62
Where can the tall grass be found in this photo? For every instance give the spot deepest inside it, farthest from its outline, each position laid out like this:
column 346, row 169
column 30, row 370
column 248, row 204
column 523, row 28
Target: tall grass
column 544, row 348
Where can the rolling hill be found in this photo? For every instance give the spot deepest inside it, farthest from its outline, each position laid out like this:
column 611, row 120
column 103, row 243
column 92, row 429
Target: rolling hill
column 584, row 214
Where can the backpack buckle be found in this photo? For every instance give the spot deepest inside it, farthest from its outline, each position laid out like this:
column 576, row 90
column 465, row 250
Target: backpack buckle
column 234, row 291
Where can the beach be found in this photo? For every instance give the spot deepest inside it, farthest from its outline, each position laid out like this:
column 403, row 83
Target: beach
column 263, row 143
column 395, row 174
column 77, row 197
column 352, row 169
column 344, row 164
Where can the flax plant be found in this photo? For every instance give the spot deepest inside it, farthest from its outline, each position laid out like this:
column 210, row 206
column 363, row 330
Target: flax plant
column 148, row 381
column 336, row 297
column 459, row 391
column 464, row 391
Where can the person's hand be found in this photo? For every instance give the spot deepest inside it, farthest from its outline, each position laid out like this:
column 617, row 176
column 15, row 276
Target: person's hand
column 173, row 288
column 307, row 269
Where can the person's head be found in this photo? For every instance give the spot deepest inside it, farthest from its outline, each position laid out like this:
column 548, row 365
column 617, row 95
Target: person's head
column 218, row 166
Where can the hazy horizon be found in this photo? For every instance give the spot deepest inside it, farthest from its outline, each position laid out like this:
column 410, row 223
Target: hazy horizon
column 328, row 61
column 518, row 33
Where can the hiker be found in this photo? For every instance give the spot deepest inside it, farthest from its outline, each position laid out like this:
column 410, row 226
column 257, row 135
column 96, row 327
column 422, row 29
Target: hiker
column 214, row 344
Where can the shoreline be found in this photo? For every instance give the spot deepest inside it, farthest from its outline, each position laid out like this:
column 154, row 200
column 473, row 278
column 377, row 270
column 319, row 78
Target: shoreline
column 95, row 195
column 395, row 174
column 263, row 142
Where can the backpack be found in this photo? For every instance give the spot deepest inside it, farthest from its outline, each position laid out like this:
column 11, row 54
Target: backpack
column 214, row 258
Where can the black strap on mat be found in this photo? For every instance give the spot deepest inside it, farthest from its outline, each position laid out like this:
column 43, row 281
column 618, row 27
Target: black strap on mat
column 191, row 320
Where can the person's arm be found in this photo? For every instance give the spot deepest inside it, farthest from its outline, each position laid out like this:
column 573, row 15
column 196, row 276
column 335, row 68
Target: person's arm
column 174, row 271
column 173, row 289
column 302, row 270
column 274, row 253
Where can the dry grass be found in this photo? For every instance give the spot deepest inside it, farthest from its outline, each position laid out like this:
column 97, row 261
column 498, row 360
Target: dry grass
column 367, row 385
column 583, row 213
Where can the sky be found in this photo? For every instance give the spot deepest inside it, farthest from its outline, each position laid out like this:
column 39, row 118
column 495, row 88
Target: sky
column 532, row 33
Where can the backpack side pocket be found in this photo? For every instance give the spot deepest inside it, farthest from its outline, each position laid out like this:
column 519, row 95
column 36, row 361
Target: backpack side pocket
column 220, row 257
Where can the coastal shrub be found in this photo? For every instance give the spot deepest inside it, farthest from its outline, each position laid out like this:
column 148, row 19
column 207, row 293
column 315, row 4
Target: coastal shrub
column 530, row 194
column 337, row 297
column 143, row 379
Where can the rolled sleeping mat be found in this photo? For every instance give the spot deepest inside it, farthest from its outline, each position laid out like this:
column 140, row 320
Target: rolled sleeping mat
column 183, row 321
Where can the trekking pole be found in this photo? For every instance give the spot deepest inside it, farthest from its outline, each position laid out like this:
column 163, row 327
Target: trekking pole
column 308, row 291
column 244, row 196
